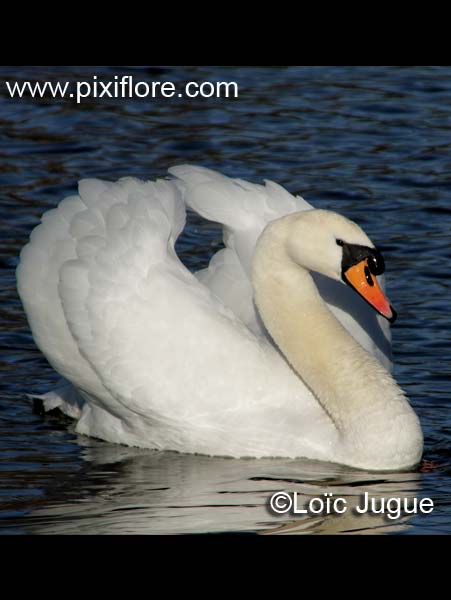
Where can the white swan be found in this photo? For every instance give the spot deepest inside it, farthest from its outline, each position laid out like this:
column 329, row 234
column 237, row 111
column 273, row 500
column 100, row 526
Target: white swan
column 157, row 357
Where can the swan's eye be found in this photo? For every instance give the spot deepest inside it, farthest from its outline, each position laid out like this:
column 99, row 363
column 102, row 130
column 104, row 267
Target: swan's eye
column 368, row 277
column 340, row 242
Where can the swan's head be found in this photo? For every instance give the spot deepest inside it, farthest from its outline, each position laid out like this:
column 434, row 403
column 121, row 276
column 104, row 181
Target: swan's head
column 328, row 243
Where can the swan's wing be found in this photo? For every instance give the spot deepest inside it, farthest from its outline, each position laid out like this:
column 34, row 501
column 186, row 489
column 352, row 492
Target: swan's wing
column 72, row 233
column 244, row 209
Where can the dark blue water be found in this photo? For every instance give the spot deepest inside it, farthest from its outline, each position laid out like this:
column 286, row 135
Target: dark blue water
column 371, row 143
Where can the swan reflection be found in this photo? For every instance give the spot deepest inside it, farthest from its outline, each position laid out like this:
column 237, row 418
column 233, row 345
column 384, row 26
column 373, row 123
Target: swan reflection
column 125, row 490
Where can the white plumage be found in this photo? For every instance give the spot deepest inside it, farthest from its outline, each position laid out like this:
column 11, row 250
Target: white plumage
column 157, row 357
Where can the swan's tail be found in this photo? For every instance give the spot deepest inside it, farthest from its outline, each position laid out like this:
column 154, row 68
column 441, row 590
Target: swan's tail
column 64, row 397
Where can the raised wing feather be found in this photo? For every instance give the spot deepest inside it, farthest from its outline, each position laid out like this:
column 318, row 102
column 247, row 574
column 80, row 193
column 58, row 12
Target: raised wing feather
column 244, row 209
column 51, row 245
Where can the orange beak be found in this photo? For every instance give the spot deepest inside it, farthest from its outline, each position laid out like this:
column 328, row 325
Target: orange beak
column 360, row 278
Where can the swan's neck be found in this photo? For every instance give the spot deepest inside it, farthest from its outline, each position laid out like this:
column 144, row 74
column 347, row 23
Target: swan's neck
column 366, row 405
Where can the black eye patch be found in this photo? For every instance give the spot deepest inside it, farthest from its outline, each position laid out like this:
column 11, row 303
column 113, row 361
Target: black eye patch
column 354, row 253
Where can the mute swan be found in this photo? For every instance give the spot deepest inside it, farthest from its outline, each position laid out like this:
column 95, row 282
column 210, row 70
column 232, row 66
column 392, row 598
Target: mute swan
column 249, row 357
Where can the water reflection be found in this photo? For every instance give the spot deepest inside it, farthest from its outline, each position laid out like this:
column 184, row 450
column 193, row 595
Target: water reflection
column 127, row 491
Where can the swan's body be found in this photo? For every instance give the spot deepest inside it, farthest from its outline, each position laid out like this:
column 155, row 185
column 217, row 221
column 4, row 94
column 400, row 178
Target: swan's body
column 157, row 357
